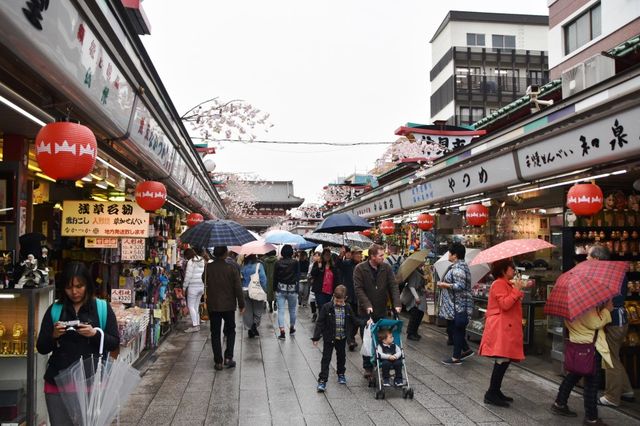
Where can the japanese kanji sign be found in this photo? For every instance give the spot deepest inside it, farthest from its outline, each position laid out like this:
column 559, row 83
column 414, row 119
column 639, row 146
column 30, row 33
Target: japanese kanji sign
column 104, row 219
column 384, row 205
column 132, row 249
column 100, row 242
column 121, row 295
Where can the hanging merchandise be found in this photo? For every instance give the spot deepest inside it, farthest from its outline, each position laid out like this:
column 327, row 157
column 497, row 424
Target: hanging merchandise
column 66, row 151
column 585, row 199
column 477, row 215
column 193, row 219
column 425, row 221
column 387, row 227
column 151, row 195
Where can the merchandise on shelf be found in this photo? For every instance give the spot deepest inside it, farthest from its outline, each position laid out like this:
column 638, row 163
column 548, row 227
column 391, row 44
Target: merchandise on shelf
column 131, row 322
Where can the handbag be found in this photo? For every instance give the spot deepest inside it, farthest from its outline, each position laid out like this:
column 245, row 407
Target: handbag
column 202, row 309
column 580, row 358
column 406, row 296
column 255, row 289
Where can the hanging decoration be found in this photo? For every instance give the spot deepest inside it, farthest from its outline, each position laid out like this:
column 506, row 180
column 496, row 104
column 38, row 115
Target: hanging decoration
column 425, row 221
column 151, row 195
column 387, row 227
column 66, row 151
column 366, row 233
column 585, row 199
column 477, row 215
column 193, row 219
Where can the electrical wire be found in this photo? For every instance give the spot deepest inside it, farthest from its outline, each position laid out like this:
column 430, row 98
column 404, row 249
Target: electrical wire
column 247, row 141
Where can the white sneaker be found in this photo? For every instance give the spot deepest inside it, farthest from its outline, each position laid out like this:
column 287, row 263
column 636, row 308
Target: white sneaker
column 605, row 401
column 192, row 329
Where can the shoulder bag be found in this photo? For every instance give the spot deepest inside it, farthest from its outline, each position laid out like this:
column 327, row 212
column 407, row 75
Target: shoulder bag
column 580, row 358
column 255, row 289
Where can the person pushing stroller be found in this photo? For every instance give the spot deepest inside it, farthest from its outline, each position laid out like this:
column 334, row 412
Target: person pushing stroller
column 390, row 356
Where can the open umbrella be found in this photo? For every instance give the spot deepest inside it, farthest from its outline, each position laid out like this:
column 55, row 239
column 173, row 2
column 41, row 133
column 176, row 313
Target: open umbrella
column 350, row 239
column 587, row 285
column 343, row 222
column 213, row 233
column 477, row 271
column 253, row 247
column 283, row 237
column 410, row 264
column 510, row 248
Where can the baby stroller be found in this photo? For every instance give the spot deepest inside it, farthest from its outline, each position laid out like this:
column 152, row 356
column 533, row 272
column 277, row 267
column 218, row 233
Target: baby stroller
column 395, row 325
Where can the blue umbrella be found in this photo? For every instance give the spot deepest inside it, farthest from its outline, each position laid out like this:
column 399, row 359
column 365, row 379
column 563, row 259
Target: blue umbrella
column 307, row 245
column 283, row 237
column 343, row 222
column 212, row 233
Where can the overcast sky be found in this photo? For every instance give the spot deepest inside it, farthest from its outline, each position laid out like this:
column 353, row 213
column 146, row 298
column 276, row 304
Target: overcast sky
column 331, row 70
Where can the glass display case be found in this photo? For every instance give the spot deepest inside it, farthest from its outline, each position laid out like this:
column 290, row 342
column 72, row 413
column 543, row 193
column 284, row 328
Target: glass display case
column 21, row 367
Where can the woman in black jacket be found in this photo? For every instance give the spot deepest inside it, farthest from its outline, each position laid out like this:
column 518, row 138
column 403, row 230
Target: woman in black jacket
column 286, row 278
column 326, row 277
column 67, row 344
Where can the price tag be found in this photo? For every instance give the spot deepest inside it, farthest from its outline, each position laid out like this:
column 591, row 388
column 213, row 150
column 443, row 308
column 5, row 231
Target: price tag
column 121, row 295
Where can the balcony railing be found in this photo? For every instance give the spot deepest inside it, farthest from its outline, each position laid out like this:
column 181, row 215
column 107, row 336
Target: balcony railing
column 492, row 85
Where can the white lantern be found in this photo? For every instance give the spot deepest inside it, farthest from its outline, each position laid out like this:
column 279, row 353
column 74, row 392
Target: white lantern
column 209, row 164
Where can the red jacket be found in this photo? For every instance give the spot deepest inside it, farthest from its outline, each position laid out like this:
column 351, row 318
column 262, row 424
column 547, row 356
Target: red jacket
column 502, row 336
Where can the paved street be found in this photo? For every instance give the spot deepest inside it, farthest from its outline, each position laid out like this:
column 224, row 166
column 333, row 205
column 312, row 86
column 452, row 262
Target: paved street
column 274, row 383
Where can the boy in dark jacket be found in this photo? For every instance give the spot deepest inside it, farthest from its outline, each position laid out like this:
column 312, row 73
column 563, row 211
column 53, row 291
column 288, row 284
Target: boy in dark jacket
column 334, row 325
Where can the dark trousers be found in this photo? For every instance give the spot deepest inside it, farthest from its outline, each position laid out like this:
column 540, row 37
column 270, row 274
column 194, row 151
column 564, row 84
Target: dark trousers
column 321, row 299
column 386, row 366
column 590, row 393
column 229, row 331
column 459, row 339
column 366, row 360
column 58, row 413
column 341, row 358
column 415, row 318
column 354, row 330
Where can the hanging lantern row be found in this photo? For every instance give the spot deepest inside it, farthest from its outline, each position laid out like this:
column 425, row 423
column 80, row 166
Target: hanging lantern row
column 387, row 227
column 193, row 219
column 151, row 195
column 366, row 233
column 585, row 199
column 425, row 221
column 477, row 215
column 66, row 151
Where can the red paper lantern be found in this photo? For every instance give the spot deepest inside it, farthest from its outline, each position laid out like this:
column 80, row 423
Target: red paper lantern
column 151, row 195
column 425, row 221
column 477, row 215
column 585, row 199
column 366, row 233
column 387, row 227
column 66, row 151
column 193, row 219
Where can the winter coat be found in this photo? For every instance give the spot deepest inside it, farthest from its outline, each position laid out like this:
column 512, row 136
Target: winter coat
column 69, row 347
column 286, row 275
column 415, row 285
column 326, row 323
column 459, row 296
column 346, row 271
column 224, row 290
column 502, row 335
column 269, row 263
column 193, row 272
column 317, row 277
column 249, row 269
column 374, row 292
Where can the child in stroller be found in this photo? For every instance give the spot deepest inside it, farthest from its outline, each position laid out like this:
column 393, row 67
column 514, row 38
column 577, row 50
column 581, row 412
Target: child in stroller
column 390, row 356
column 386, row 350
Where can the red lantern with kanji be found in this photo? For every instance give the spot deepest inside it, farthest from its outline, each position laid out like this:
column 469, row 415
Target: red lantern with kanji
column 425, row 221
column 387, row 227
column 366, row 233
column 66, row 151
column 477, row 215
column 193, row 219
column 151, row 195
column 585, row 199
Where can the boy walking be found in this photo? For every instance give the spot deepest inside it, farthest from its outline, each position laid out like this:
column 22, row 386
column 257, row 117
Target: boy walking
column 335, row 324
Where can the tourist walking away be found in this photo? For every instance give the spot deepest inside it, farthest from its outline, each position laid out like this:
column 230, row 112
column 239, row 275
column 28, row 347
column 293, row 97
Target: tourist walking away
column 417, row 305
column 326, row 277
column 269, row 261
column 286, row 278
column 303, row 296
column 317, row 257
column 456, row 304
column 390, row 356
column 588, row 328
column 502, row 337
column 224, row 294
column 193, row 285
column 346, row 272
column 617, row 385
column 335, row 322
column 68, row 342
column 253, row 308
column 374, row 283
column 394, row 259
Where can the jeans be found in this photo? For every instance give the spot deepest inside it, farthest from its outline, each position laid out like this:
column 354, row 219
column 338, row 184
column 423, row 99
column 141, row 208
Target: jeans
column 590, row 394
column 386, row 365
column 459, row 339
column 303, row 292
column 341, row 358
column 292, row 302
column 414, row 320
column 194, row 294
column 229, row 331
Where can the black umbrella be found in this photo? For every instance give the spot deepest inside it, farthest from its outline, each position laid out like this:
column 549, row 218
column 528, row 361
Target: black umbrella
column 343, row 222
column 212, row 233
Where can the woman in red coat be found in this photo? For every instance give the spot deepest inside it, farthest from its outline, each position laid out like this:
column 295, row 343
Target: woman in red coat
column 502, row 336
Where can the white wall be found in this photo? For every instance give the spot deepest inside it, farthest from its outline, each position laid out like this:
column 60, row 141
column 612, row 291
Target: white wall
column 614, row 15
column 444, row 113
column 441, row 45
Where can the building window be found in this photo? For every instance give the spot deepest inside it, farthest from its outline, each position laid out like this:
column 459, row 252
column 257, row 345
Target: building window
column 582, row 30
column 470, row 115
column 475, row 39
column 463, row 75
column 538, row 77
column 503, row 41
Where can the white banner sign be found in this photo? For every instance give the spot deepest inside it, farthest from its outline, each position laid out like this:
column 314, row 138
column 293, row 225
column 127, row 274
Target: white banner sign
column 104, row 219
column 132, row 249
column 385, row 204
column 100, row 242
column 121, row 295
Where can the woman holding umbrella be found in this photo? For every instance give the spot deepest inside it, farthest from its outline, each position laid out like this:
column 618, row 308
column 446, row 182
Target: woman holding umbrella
column 502, row 336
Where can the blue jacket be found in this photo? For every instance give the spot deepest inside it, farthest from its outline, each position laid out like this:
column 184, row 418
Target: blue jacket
column 250, row 269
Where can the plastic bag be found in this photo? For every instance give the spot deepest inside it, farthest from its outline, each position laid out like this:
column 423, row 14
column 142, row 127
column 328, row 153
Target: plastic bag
column 365, row 350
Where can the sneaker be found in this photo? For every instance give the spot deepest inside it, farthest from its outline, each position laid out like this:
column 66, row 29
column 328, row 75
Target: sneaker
column 604, row 401
column 494, row 399
column 292, row 330
column 192, row 329
column 562, row 411
column 398, row 382
column 282, row 335
column 342, row 379
column 322, row 386
column 451, row 361
column 466, row 354
column 229, row 363
column 628, row 397
column 597, row 422
column 386, row 383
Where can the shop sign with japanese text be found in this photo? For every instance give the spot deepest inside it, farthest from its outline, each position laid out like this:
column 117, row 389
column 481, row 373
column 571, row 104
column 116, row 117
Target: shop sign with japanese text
column 386, row 204
column 100, row 242
column 149, row 137
column 104, row 219
column 599, row 142
column 121, row 295
column 132, row 249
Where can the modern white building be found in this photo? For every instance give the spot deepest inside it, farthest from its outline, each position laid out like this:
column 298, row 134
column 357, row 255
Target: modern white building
column 483, row 61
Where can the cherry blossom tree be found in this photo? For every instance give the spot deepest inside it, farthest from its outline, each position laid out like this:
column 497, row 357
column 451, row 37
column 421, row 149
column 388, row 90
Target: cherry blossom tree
column 404, row 148
column 238, row 192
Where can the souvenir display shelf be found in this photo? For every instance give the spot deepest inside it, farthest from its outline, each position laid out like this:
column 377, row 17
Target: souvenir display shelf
column 22, row 368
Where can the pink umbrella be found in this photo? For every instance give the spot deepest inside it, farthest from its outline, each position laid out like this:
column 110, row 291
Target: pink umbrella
column 510, row 248
column 253, row 247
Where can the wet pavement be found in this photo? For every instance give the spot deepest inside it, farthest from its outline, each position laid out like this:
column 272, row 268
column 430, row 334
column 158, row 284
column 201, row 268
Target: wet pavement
column 274, row 383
